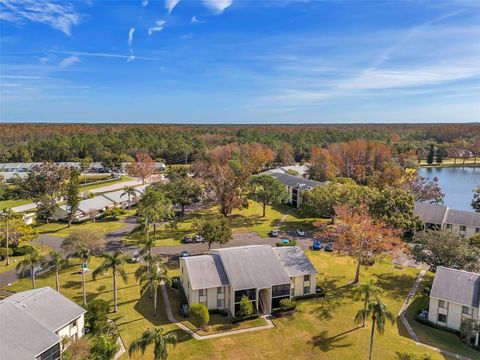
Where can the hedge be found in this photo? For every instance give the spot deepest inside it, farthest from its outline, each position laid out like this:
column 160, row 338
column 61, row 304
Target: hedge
column 238, row 319
column 290, row 243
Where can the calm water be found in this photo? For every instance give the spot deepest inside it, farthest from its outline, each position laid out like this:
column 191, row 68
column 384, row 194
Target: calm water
column 457, row 184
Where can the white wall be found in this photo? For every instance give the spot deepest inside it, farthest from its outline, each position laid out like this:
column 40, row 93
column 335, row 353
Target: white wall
column 452, row 310
column 298, row 284
column 74, row 331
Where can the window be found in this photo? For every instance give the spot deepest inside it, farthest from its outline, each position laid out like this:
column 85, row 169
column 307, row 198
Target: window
column 202, row 292
column 306, row 278
column 477, row 230
column 441, row 304
column 51, row 354
column 220, row 290
column 220, row 303
column 463, row 228
column 442, row 318
column 250, row 293
column 467, row 310
column 449, row 226
column 306, row 290
column 280, row 290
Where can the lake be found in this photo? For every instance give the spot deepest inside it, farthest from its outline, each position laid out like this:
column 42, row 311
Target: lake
column 457, row 184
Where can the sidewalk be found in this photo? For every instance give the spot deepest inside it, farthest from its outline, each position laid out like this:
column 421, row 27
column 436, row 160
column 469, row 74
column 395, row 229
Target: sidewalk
column 172, row 319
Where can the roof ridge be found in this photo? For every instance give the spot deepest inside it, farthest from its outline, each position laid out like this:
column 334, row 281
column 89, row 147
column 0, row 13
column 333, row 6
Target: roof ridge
column 458, row 270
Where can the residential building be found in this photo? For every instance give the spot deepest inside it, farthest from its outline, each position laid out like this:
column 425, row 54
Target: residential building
column 299, row 170
column 264, row 274
column 454, row 296
column 87, row 209
column 34, row 323
column 120, row 198
column 295, row 186
column 441, row 217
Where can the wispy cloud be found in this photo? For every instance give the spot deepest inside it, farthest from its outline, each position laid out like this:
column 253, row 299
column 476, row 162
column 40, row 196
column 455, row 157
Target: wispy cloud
column 159, row 25
column 69, row 61
column 144, row 3
column 217, row 6
column 60, row 16
column 196, row 20
column 130, row 37
column 106, row 55
column 170, row 4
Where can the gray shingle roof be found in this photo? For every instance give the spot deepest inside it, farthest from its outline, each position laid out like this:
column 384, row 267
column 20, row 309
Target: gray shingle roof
column 49, row 308
column 293, row 181
column 117, row 197
column 458, row 286
column 295, row 261
column 28, row 321
column 461, row 217
column 255, row 266
column 431, row 213
column 21, row 338
column 205, row 272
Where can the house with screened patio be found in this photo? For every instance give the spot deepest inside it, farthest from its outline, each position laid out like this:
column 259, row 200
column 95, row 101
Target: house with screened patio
column 264, row 274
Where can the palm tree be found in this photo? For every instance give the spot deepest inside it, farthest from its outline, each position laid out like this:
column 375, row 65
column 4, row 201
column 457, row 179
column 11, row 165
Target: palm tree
column 129, row 191
column 7, row 214
column 32, row 259
column 380, row 314
column 59, row 263
column 83, row 253
column 151, row 276
column 146, row 250
column 159, row 341
column 113, row 261
column 366, row 290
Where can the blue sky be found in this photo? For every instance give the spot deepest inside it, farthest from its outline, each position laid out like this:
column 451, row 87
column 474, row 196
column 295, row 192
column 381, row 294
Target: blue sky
column 239, row 61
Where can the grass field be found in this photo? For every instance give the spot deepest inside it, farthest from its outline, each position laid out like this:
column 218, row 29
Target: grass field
column 245, row 220
column 14, row 260
column 452, row 162
column 62, row 230
column 105, row 183
column 319, row 329
column 5, row 204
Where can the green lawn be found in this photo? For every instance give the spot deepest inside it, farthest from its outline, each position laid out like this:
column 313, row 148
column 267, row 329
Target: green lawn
column 5, row 204
column 14, row 260
column 62, row 230
column 452, row 162
column 431, row 336
column 245, row 220
column 105, row 183
column 319, row 329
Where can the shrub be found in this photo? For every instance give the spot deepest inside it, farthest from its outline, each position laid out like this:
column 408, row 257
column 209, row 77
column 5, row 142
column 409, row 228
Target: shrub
column 246, row 307
column 104, row 347
column 290, row 243
column 175, row 282
column 96, row 317
column 199, row 315
column 237, row 320
column 21, row 250
column 222, row 312
column 287, row 304
column 3, row 252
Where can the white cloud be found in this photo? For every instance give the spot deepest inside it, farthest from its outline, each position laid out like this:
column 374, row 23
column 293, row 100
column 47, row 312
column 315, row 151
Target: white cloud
column 60, row 16
column 69, row 61
column 170, row 4
column 159, row 25
column 218, row 6
column 106, row 55
column 130, row 37
column 144, row 3
column 196, row 20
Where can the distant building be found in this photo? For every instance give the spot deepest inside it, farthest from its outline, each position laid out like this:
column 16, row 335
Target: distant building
column 87, row 209
column 33, row 324
column 295, row 186
column 454, row 296
column 264, row 274
column 441, row 217
column 298, row 170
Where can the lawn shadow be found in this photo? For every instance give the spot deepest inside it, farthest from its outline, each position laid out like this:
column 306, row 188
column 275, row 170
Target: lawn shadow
column 327, row 343
column 334, row 296
column 144, row 307
column 396, row 286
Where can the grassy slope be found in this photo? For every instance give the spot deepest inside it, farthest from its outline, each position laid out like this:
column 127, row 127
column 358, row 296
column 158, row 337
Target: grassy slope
column 62, row 230
column 105, row 183
column 13, row 203
column 321, row 329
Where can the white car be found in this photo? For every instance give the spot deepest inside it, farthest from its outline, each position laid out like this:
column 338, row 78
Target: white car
column 300, row 232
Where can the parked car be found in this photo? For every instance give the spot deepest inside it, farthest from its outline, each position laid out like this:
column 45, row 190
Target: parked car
column 136, row 257
column 317, row 245
column 329, row 247
column 274, row 233
column 184, row 254
column 188, row 239
column 198, row 239
column 84, row 268
column 300, row 232
column 184, row 310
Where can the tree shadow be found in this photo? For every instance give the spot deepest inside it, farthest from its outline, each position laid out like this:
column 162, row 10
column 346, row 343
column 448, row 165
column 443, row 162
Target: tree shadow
column 395, row 286
column 327, row 343
column 144, row 307
column 334, row 297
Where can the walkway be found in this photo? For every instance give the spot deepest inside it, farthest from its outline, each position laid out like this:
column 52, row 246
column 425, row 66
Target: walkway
column 172, row 319
column 409, row 328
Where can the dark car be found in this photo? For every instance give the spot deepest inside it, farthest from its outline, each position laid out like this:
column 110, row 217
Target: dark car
column 184, row 254
column 188, row 239
column 329, row 247
column 274, row 233
column 317, row 245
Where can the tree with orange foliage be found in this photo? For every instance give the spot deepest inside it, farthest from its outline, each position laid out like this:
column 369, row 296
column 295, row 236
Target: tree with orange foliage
column 285, row 155
column 359, row 236
column 227, row 170
column 143, row 167
column 323, row 166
